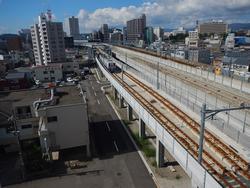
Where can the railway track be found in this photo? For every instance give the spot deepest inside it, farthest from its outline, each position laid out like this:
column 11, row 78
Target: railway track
column 225, row 152
column 225, row 95
column 192, row 64
column 226, row 177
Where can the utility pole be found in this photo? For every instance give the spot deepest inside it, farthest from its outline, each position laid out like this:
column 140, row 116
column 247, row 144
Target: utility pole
column 158, row 67
column 202, row 130
column 206, row 114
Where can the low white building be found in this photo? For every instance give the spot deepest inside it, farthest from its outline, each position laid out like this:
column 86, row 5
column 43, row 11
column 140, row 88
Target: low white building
column 63, row 121
column 51, row 72
column 230, row 42
column 59, row 119
column 54, row 71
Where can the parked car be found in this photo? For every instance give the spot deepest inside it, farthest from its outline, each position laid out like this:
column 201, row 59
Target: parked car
column 69, row 79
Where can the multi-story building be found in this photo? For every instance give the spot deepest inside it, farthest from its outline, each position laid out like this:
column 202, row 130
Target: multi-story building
column 105, row 33
column 55, row 116
column 136, row 29
column 214, row 27
column 48, row 41
column 124, row 31
column 158, row 32
column 116, row 37
column 149, row 35
column 193, row 39
column 74, row 27
column 14, row 43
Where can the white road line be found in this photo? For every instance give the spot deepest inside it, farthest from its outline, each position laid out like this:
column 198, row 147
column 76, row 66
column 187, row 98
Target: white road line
column 116, row 147
column 93, row 88
column 98, row 101
column 95, row 93
column 108, row 126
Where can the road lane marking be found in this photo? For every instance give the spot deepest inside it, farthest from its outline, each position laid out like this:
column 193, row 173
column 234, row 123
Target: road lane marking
column 95, row 93
column 93, row 88
column 98, row 101
column 108, row 126
column 116, row 146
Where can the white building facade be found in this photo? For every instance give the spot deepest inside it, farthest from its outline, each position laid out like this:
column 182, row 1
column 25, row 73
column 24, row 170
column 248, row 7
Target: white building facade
column 48, row 41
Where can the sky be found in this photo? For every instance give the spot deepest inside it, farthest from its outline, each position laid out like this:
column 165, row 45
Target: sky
column 18, row 14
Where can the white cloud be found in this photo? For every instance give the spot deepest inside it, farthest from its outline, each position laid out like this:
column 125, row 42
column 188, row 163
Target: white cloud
column 167, row 13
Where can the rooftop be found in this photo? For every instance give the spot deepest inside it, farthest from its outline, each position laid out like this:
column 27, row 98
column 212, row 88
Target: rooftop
column 64, row 95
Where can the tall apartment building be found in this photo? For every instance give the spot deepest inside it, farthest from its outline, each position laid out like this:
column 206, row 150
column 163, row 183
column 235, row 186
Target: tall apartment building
column 74, row 27
column 48, row 40
column 158, row 32
column 215, row 27
column 105, row 32
column 136, row 29
column 149, row 35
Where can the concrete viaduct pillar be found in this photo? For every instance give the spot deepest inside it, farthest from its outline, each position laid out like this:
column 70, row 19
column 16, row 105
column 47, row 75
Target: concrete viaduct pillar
column 142, row 129
column 121, row 101
column 115, row 93
column 129, row 112
column 159, row 153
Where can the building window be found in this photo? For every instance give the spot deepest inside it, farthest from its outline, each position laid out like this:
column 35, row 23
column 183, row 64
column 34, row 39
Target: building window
column 52, row 71
column 45, row 72
column 28, row 126
column 52, row 119
column 23, row 112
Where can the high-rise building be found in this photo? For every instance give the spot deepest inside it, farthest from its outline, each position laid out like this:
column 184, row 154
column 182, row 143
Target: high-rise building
column 105, row 32
column 136, row 29
column 74, row 27
column 149, row 35
column 214, row 27
column 48, row 40
column 158, row 32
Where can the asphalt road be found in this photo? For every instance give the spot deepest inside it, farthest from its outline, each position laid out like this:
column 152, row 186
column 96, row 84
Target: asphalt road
column 111, row 143
column 115, row 162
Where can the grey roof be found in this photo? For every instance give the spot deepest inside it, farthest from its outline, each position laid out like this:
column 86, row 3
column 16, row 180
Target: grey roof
column 15, row 75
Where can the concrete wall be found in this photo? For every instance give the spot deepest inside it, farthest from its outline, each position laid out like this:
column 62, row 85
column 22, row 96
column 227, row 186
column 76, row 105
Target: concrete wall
column 241, row 85
column 71, row 128
column 235, row 124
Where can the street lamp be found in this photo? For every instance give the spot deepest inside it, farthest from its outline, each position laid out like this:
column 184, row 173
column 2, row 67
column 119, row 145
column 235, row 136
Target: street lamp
column 206, row 114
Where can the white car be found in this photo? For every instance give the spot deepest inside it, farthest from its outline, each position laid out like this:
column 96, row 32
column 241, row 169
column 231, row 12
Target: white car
column 69, row 79
column 37, row 82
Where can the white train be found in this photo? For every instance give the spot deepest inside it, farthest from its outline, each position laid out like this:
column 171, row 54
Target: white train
column 108, row 64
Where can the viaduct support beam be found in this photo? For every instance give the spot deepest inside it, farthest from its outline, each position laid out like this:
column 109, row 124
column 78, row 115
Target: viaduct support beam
column 121, row 101
column 115, row 93
column 159, row 153
column 142, row 129
column 129, row 112
column 88, row 150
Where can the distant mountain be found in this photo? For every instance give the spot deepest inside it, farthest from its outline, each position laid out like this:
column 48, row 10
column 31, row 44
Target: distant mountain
column 6, row 36
column 239, row 26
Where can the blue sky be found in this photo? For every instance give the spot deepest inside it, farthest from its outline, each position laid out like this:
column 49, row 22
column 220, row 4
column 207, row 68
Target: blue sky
column 17, row 14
